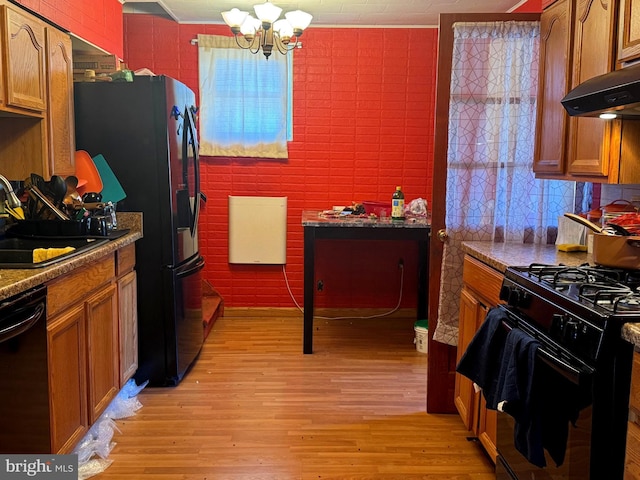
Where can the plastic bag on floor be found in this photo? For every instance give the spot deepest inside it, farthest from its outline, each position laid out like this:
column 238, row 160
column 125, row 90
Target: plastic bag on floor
column 96, row 445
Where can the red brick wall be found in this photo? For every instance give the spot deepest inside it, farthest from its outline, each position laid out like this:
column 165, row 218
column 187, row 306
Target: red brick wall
column 531, row 6
column 363, row 123
column 97, row 21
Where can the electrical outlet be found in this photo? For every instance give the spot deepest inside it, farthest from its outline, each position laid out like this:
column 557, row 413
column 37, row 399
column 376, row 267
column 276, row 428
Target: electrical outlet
column 320, row 285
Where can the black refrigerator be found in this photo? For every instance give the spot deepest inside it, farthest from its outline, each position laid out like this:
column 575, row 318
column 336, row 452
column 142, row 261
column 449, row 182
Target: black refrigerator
column 146, row 131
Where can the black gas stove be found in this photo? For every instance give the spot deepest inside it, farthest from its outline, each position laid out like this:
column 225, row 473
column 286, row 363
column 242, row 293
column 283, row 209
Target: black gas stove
column 577, row 308
column 576, row 314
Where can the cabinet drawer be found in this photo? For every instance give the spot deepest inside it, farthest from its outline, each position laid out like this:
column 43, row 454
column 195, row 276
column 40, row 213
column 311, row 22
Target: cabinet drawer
column 125, row 259
column 74, row 286
column 632, row 460
column 634, row 399
column 482, row 279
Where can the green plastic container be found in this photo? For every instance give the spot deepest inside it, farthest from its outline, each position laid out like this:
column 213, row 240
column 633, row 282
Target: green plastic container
column 421, row 329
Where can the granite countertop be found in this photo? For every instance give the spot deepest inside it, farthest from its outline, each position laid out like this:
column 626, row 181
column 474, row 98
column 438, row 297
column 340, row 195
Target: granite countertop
column 502, row 255
column 14, row 281
column 314, row 218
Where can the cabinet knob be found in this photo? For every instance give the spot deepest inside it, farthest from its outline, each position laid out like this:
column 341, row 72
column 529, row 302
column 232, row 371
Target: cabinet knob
column 443, row 236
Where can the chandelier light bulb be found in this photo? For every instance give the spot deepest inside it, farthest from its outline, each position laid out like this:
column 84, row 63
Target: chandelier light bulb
column 284, row 30
column 234, row 17
column 268, row 13
column 266, row 32
column 299, row 20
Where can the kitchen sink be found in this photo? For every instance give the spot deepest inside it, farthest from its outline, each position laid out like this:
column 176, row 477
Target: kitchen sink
column 18, row 252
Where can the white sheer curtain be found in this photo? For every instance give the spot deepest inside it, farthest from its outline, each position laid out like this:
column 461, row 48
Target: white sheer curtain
column 492, row 194
column 244, row 100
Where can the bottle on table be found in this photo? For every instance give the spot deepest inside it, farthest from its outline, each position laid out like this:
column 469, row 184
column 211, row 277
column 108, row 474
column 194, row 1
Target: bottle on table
column 397, row 204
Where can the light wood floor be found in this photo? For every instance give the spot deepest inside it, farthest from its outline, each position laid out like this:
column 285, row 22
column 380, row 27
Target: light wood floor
column 254, row 407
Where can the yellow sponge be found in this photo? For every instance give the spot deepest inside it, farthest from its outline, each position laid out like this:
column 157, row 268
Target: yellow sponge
column 42, row 254
column 571, row 247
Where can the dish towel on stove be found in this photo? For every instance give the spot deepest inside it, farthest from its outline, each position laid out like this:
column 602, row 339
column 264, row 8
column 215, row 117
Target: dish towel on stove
column 542, row 403
column 482, row 359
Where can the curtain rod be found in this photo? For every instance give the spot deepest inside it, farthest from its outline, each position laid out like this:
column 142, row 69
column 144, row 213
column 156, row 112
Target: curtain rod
column 194, row 41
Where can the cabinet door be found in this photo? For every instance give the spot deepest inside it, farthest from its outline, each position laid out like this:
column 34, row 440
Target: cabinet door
column 488, row 429
column 60, row 104
column 629, row 30
column 555, row 60
column 67, row 379
column 102, row 350
column 24, row 54
column 593, row 54
column 466, row 400
column 128, row 323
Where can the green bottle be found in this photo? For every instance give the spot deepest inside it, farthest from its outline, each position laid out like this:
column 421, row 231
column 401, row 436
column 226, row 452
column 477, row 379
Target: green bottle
column 397, row 204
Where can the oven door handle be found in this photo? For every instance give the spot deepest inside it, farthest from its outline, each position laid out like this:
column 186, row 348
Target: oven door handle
column 575, row 375
column 571, row 373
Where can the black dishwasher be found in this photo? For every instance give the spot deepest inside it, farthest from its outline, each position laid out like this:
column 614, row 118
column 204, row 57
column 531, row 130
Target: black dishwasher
column 24, row 390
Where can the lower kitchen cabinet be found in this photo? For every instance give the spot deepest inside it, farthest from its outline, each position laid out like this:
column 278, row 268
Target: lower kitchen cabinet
column 89, row 322
column 632, row 461
column 127, row 312
column 480, row 292
column 67, row 352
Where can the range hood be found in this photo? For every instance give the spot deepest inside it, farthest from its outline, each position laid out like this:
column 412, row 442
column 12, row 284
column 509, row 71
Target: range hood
column 614, row 92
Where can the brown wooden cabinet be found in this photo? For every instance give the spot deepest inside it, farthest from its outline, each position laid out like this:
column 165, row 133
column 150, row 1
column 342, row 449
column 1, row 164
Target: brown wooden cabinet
column 60, row 119
column 632, row 461
column 582, row 35
column 24, row 60
column 481, row 291
column 594, row 144
column 127, row 312
column 67, row 378
column 556, row 28
column 36, row 96
column 629, row 31
column 103, row 365
column 82, row 318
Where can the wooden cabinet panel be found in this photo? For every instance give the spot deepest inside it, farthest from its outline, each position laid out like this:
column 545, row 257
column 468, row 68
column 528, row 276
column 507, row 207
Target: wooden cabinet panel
column 480, row 292
column 67, row 379
column 102, row 350
column 60, row 104
column 24, row 55
column 466, row 399
column 128, row 323
column 629, row 30
column 554, row 82
column 76, row 285
column 482, row 279
column 593, row 54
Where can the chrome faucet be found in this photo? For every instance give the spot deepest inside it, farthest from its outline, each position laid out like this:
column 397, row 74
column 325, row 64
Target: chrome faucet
column 12, row 200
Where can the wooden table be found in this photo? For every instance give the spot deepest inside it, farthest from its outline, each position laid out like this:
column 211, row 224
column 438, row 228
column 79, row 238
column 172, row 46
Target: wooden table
column 319, row 227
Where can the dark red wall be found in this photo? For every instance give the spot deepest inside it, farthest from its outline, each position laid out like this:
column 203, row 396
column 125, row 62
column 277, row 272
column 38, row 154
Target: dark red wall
column 531, row 6
column 363, row 123
column 97, row 21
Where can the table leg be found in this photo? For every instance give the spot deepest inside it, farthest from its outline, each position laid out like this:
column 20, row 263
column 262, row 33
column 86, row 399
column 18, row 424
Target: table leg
column 423, row 279
column 309, row 290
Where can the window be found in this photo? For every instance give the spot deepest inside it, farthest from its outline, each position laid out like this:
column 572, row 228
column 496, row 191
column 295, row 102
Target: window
column 245, row 100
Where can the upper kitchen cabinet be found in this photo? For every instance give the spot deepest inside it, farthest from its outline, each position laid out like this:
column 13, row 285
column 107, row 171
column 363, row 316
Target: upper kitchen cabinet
column 592, row 142
column 555, row 60
column 629, row 31
column 578, row 42
column 23, row 39
column 61, row 136
column 36, row 96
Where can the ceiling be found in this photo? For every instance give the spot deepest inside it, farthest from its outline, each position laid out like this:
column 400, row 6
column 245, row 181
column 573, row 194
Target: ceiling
column 393, row 13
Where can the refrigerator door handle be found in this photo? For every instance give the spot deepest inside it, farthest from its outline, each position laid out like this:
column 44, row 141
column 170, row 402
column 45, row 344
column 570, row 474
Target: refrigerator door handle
column 190, row 140
column 199, row 265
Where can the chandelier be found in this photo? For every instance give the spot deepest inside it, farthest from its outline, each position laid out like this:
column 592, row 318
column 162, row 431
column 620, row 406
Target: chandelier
column 267, row 31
